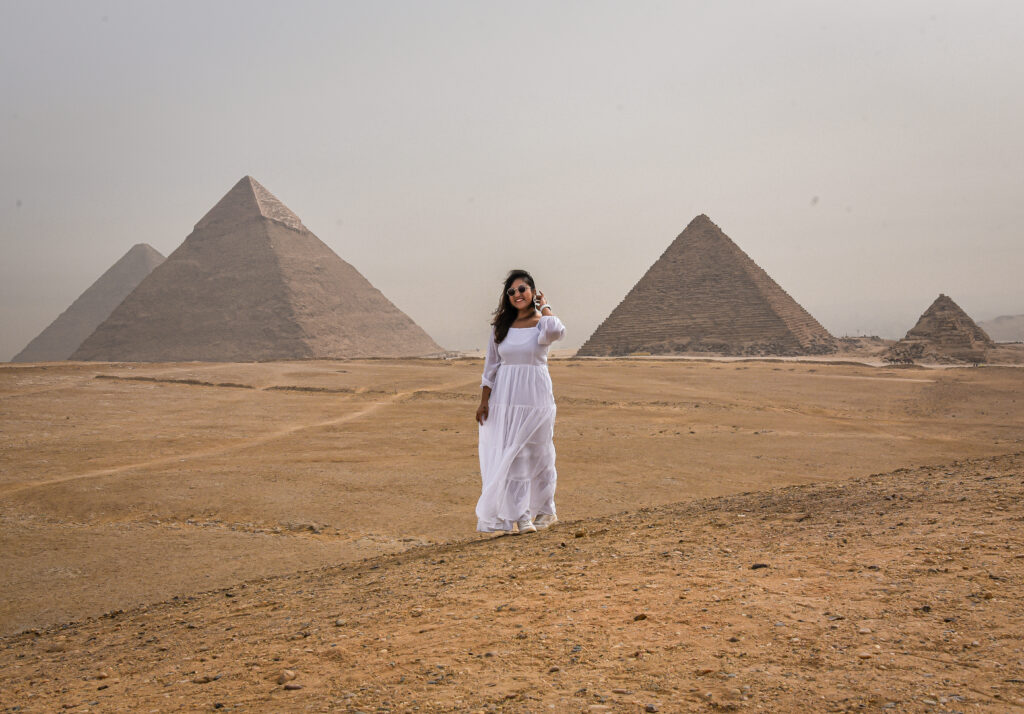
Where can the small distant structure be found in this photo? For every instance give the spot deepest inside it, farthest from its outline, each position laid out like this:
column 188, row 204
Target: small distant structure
column 944, row 334
column 705, row 295
column 252, row 283
column 63, row 336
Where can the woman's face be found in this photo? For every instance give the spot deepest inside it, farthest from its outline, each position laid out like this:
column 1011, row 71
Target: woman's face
column 520, row 298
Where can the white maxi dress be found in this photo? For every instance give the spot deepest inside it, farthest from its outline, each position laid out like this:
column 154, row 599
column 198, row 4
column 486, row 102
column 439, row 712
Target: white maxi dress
column 517, row 455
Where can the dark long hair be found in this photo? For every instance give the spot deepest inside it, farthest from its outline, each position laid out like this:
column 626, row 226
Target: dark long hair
column 505, row 315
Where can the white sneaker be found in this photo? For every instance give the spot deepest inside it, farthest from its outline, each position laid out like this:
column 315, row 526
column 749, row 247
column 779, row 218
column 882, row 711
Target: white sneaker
column 526, row 525
column 545, row 520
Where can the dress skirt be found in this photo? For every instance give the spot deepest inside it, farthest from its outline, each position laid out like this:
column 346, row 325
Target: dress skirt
column 517, row 454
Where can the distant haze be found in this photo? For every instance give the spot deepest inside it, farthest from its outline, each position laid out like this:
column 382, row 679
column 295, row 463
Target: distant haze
column 868, row 156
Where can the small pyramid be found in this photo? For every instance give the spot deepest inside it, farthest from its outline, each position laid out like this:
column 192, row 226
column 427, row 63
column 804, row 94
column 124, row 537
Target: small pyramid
column 704, row 294
column 251, row 283
column 64, row 335
column 944, row 333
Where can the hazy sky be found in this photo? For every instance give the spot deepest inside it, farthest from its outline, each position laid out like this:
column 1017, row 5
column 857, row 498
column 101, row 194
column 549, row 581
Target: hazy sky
column 867, row 155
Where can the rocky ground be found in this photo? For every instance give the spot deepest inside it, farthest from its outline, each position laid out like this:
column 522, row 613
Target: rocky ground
column 898, row 591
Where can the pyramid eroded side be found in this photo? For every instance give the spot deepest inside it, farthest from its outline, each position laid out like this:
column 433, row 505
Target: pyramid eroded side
column 341, row 313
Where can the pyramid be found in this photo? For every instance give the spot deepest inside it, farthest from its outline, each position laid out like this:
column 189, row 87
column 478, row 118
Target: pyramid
column 251, row 283
column 65, row 334
column 944, row 333
column 704, row 294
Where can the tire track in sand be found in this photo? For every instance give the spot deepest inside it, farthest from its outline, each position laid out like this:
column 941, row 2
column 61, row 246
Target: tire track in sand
column 238, row 445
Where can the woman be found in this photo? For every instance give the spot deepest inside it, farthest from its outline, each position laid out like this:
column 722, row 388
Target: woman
column 517, row 413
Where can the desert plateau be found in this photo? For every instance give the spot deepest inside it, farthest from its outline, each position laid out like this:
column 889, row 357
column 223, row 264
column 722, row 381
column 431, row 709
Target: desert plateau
column 761, row 535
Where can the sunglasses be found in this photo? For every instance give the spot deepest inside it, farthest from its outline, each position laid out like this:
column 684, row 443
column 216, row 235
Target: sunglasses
column 512, row 291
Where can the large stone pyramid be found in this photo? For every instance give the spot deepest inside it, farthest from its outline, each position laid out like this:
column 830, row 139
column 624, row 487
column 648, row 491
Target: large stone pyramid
column 251, row 282
column 65, row 334
column 704, row 294
column 944, row 333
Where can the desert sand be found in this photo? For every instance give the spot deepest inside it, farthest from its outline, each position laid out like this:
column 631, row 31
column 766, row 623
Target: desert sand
column 176, row 536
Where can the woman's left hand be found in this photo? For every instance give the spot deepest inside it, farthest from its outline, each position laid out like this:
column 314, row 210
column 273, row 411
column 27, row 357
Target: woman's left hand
column 541, row 300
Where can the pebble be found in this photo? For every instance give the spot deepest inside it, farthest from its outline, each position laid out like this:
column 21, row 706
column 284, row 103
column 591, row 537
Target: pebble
column 205, row 679
column 339, row 622
column 292, row 686
column 555, row 669
column 650, row 708
column 758, row 566
column 641, row 616
column 286, row 675
column 864, row 655
column 864, row 631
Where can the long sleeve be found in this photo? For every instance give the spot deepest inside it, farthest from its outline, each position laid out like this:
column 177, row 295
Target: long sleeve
column 491, row 363
column 551, row 329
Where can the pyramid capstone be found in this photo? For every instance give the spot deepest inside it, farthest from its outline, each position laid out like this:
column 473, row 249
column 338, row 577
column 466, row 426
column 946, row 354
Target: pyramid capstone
column 705, row 295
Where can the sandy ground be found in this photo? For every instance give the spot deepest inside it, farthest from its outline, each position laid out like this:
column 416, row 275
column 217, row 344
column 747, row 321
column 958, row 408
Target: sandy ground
column 892, row 592
column 142, row 487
